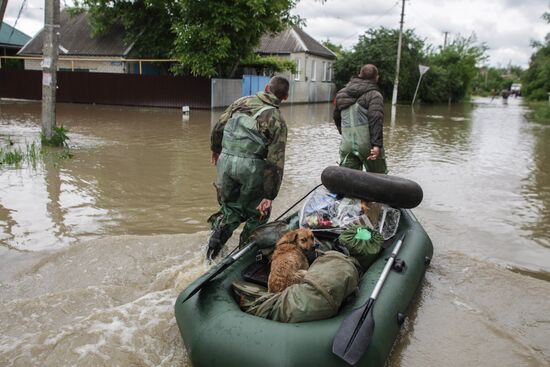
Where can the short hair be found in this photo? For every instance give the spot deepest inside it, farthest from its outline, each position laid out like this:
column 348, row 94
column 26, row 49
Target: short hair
column 369, row 72
column 279, row 86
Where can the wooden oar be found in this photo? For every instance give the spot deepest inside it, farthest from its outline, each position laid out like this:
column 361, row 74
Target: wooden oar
column 355, row 332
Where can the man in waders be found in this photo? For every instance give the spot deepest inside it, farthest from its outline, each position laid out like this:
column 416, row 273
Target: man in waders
column 248, row 147
column 359, row 118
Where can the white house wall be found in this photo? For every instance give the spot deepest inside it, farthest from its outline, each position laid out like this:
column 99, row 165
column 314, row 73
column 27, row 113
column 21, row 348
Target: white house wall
column 308, row 86
column 92, row 66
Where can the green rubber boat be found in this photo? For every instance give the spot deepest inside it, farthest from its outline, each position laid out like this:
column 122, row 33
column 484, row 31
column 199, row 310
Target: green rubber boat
column 217, row 333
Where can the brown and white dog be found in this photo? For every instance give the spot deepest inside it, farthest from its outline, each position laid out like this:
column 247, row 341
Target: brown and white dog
column 289, row 262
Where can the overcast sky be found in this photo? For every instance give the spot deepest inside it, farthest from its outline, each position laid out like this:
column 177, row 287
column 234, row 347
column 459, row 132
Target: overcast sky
column 507, row 27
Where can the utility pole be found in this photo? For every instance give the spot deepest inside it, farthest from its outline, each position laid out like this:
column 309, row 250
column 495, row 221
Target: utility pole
column 50, row 53
column 396, row 82
column 445, row 41
column 3, row 4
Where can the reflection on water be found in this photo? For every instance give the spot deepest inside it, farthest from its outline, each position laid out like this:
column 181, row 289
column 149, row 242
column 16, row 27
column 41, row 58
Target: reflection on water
column 140, row 188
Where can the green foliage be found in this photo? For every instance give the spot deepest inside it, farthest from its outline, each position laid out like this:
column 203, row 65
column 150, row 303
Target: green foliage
column 536, row 80
column 490, row 79
column 212, row 37
column 452, row 71
column 147, row 23
column 14, row 156
column 337, row 49
column 379, row 47
column 539, row 112
column 269, row 64
column 10, row 156
column 59, row 137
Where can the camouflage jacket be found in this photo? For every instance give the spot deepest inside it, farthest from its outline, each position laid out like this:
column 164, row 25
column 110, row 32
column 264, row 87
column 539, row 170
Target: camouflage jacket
column 271, row 124
column 368, row 95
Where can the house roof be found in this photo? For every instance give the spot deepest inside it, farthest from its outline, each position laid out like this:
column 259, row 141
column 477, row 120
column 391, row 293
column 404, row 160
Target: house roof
column 12, row 37
column 75, row 37
column 292, row 40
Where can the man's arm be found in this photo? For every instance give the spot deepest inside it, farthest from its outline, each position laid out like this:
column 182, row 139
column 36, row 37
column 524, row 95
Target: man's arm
column 275, row 160
column 337, row 116
column 374, row 102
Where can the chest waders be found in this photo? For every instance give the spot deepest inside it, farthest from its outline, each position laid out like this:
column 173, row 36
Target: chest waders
column 355, row 145
column 240, row 176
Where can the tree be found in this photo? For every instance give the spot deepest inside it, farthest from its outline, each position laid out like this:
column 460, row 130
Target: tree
column 536, row 79
column 452, row 71
column 209, row 38
column 489, row 79
column 337, row 49
column 269, row 64
column 378, row 47
column 147, row 23
column 214, row 36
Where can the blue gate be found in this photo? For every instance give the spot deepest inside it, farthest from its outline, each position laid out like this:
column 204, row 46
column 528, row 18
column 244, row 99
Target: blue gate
column 253, row 84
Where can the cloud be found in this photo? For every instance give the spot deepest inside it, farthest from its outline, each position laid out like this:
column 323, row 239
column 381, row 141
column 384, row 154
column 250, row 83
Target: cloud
column 505, row 26
column 29, row 15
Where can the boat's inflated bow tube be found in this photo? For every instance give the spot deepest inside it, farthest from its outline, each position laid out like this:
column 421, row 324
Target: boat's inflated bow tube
column 392, row 190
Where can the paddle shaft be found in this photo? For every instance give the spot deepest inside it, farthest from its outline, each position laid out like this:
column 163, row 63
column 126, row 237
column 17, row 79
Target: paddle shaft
column 215, row 271
column 232, row 257
column 387, row 269
column 355, row 332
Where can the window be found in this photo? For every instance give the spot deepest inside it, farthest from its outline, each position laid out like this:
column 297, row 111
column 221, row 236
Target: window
column 325, row 71
column 298, row 69
column 329, row 72
column 313, row 71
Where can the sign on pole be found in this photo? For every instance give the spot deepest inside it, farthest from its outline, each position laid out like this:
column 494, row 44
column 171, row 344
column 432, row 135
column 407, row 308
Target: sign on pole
column 423, row 69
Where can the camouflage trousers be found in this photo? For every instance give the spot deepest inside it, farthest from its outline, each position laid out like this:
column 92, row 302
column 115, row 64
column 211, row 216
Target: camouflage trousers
column 240, row 189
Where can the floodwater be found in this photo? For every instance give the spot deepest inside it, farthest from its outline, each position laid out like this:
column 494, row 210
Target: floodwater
column 95, row 249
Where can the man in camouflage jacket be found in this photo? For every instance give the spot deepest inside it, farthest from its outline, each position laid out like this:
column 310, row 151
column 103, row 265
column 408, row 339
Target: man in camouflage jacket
column 248, row 148
column 359, row 117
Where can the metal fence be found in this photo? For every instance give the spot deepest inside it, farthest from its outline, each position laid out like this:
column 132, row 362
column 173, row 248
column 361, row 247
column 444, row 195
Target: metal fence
column 111, row 88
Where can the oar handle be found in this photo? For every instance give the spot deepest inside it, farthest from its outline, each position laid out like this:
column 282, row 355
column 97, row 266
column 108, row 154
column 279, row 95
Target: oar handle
column 387, row 268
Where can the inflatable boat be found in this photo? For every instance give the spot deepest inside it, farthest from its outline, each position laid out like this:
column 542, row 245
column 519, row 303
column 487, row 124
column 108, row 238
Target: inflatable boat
column 216, row 332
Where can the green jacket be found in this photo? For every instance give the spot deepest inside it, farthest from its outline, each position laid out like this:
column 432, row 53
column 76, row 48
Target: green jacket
column 273, row 128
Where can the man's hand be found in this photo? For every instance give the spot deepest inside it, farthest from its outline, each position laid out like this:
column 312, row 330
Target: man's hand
column 214, row 158
column 264, row 206
column 374, row 153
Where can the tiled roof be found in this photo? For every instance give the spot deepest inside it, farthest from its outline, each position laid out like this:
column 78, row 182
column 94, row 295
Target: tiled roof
column 292, row 40
column 76, row 38
column 10, row 36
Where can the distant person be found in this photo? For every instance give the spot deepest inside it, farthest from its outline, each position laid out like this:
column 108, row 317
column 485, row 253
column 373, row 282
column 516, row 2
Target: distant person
column 359, row 118
column 505, row 93
column 248, row 146
column 493, row 94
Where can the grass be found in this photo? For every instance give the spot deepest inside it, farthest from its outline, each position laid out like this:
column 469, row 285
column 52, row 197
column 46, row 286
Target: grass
column 58, row 139
column 10, row 155
column 540, row 112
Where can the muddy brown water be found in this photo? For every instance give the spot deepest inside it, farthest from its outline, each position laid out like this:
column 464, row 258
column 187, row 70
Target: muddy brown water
column 94, row 249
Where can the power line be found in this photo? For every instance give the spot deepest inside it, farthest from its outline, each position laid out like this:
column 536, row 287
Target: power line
column 373, row 22
column 17, row 19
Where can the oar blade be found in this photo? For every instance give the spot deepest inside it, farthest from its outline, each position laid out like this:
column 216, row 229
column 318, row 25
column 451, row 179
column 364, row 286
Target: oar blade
column 355, row 334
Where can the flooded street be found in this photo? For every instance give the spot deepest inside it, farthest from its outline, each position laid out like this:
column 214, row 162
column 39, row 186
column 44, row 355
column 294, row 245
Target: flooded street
column 95, row 249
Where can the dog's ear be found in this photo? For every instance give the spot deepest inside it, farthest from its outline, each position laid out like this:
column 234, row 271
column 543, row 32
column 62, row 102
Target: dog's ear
column 293, row 237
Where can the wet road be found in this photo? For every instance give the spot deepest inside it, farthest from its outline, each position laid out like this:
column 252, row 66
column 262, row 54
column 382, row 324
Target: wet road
column 93, row 250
